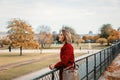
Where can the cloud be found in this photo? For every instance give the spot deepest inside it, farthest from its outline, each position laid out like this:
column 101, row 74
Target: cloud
column 77, row 13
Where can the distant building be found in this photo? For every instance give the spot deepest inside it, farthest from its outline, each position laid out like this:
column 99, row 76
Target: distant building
column 90, row 33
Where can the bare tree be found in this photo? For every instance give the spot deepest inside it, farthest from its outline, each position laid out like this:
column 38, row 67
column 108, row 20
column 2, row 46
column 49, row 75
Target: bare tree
column 43, row 28
column 45, row 38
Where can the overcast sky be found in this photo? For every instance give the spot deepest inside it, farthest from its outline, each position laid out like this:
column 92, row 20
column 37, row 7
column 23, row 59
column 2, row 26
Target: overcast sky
column 82, row 15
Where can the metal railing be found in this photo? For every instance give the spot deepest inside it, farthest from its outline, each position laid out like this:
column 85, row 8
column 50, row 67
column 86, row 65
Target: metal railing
column 90, row 67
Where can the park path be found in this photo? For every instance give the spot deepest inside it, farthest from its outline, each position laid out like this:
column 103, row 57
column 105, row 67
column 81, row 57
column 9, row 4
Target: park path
column 113, row 71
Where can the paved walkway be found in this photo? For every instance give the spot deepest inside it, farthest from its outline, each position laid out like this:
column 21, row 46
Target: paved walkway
column 113, row 71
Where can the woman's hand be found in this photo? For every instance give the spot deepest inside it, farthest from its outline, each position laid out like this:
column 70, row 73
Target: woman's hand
column 51, row 66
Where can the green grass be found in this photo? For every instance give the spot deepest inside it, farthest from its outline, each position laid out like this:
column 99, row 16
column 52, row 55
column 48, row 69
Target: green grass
column 7, row 58
column 11, row 73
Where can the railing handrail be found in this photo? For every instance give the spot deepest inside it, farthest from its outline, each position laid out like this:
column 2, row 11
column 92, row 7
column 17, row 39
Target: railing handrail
column 46, row 73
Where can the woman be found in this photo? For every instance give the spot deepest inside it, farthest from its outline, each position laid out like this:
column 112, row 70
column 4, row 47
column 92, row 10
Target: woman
column 66, row 53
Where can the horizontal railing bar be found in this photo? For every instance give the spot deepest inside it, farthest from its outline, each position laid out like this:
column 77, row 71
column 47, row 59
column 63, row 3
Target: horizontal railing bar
column 46, row 74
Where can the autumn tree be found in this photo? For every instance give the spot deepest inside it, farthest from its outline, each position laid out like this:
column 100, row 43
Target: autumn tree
column 88, row 38
column 21, row 34
column 101, row 40
column 114, row 36
column 85, row 37
column 5, row 41
column 96, row 37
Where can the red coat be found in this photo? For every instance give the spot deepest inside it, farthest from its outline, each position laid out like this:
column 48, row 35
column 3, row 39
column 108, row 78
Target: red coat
column 66, row 57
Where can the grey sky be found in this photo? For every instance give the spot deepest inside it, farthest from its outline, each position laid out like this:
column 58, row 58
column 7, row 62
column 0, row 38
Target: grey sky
column 82, row 15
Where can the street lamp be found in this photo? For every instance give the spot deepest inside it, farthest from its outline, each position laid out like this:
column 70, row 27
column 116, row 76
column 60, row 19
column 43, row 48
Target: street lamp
column 89, row 46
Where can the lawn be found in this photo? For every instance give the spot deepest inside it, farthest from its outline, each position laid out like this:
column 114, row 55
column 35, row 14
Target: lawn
column 42, row 60
column 10, row 67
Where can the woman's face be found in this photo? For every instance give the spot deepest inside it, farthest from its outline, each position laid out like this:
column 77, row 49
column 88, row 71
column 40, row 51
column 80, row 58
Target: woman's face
column 61, row 37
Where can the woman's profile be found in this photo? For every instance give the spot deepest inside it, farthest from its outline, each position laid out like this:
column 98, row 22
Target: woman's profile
column 66, row 53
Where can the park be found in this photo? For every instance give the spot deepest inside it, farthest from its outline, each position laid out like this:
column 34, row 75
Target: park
column 49, row 39
column 23, row 52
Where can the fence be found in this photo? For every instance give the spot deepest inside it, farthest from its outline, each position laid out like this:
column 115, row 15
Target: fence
column 90, row 67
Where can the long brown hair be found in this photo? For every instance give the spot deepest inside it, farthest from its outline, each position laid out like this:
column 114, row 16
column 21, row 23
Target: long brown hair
column 67, row 36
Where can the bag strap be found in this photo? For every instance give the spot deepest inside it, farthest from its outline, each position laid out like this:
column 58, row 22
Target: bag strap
column 76, row 66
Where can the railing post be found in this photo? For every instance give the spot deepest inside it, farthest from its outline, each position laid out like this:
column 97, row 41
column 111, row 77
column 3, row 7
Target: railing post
column 100, row 63
column 87, row 68
column 104, row 60
column 52, row 75
column 94, row 66
column 111, row 54
column 107, row 56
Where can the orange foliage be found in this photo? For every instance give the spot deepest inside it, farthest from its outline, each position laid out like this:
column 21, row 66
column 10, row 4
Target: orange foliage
column 101, row 40
column 21, row 34
column 113, row 36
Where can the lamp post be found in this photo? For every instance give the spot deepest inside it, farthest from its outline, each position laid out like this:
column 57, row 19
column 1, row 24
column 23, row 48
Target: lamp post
column 89, row 46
